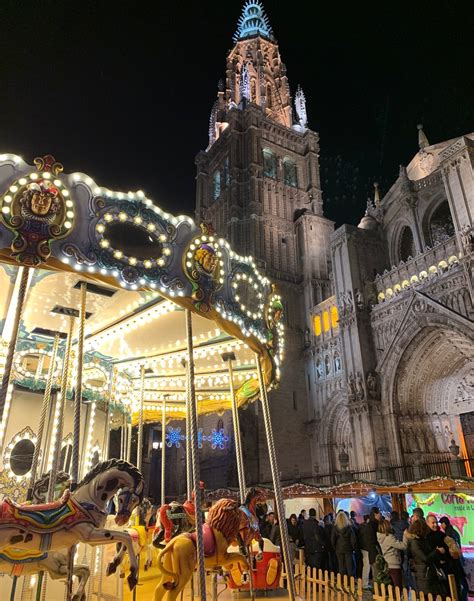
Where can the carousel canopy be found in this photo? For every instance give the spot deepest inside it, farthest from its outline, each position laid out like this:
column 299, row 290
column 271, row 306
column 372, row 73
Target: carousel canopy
column 143, row 267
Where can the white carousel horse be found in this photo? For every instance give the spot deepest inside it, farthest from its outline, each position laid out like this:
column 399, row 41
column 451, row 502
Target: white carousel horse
column 34, row 532
column 55, row 563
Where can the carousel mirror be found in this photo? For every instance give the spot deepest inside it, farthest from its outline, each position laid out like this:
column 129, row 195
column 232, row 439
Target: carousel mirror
column 30, row 362
column 95, row 378
column 132, row 240
column 21, row 457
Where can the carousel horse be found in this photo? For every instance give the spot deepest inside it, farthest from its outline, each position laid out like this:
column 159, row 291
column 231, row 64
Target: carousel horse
column 55, row 563
column 137, row 528
column 33, row 532
column 249, row 517
column 177, row 561
column 173, row 519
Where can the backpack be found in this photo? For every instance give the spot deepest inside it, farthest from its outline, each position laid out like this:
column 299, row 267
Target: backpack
column 382, row 572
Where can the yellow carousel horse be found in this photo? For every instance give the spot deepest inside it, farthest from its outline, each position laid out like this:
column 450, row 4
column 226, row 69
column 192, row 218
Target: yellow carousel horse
column 177, row 561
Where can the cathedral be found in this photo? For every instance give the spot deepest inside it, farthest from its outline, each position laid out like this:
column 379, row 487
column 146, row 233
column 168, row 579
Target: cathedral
column 378, row 376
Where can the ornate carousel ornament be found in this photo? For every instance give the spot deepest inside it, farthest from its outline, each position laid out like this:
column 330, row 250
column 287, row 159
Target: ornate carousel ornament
column 37, row 209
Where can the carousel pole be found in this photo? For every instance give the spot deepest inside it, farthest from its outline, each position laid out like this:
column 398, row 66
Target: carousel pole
column 228, row 358
column 44, row 410
column 189, row 473
column 113, row 381
column 129, row 442
column 20, row 303
column 276, row 481
column 140, row 418
column 163, row 451
column 78, row 391
column 59, row 430
column 193, row 443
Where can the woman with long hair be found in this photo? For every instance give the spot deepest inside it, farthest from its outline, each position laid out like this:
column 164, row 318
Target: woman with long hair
column 343, row 540
column 391, row 548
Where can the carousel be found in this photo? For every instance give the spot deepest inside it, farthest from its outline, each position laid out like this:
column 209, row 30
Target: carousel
column 115, row 315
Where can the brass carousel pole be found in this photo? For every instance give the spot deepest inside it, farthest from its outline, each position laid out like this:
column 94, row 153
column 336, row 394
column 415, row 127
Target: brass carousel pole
column 140, row 418
column 113, row 381
column 189, row 472
column 163, row 451
column 129, row 441
column 228, row 358
column 20, row 303
column 78, row 390
column 193, row 444
column 44, row 411
column 276, row 482
column 59, row 429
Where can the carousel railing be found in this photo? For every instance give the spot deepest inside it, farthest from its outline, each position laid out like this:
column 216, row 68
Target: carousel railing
column 319, row 585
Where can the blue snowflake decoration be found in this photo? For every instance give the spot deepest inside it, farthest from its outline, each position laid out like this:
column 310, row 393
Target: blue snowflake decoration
column 218, row 439
column 174, row 437
column 200, row 438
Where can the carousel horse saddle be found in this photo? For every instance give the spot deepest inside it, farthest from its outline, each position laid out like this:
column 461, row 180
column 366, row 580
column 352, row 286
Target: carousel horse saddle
column 47, row 517
column 208, row 539
column 44, row 506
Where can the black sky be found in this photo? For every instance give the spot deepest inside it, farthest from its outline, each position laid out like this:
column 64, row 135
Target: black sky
column 123, row 90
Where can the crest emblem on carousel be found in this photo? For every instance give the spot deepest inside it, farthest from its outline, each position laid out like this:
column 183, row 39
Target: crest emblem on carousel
column 37, row 209
column 204, row 266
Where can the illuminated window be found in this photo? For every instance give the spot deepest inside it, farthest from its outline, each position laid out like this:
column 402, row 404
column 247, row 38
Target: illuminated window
column 289, row 172
column 326, row 325
column 216, row 185
column 334, row 317
column 269, row 164
column 317, row 325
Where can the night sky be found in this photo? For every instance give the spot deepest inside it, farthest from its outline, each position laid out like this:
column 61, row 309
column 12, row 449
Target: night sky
column 123, row 91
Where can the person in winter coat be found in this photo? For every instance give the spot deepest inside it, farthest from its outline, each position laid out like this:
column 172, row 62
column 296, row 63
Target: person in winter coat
column 315, row 542
column 294, row 534
column 391, row 548
column 369, row 544
column 343, row 540
column 424, row 558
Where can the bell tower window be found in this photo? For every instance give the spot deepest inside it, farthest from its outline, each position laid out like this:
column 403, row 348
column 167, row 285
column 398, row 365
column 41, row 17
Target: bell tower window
column 289, row 172
column 269, row 163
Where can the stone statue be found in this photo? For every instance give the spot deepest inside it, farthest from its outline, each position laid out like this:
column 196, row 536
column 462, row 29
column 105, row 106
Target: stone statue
column 372, row 384
column 467, row 239
column 359, row 298
column 360, row 389
column 307, row 338
column 349, row 303
column 351, row 385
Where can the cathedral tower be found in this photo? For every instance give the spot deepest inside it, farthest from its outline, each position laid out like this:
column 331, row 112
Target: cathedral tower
column 258, row 184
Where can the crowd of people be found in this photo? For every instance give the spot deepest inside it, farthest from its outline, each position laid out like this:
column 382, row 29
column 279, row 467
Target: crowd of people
column 414, row 552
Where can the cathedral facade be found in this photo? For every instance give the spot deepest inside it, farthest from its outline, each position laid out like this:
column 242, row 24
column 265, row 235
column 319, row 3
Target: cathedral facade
column 379, row 357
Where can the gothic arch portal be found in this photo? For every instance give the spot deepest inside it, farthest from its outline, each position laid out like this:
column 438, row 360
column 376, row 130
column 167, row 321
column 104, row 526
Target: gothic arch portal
column 335, row 434
column 428, row 379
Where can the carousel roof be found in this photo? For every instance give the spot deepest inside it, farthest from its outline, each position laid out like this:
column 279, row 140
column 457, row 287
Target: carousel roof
column 143, row 267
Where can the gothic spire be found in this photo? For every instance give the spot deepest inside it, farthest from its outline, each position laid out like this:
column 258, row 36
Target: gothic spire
column 252, row 22
column 300, row 106
column 376, row 194
column 422, row 139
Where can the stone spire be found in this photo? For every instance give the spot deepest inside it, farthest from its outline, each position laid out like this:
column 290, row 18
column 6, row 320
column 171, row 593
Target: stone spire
column 255, row 72
column 300, row 106
column 422, row 139
column 376, row 194
column 253, row 22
